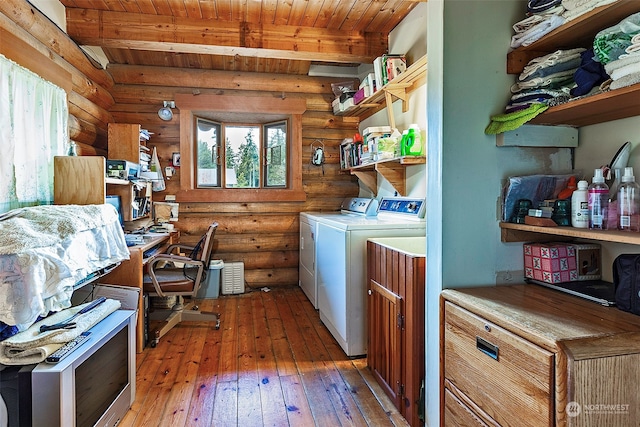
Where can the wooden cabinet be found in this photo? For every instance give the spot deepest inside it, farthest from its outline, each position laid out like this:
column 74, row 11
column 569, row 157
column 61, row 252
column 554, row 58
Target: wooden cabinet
column 81, row 180
column 124, row 142
column 395, row 324
column 580, row 32
column 529, row 356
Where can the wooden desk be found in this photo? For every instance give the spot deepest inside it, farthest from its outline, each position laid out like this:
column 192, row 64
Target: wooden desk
column 131, row 272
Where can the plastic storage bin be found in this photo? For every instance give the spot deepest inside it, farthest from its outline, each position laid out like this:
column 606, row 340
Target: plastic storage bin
column 210, row 287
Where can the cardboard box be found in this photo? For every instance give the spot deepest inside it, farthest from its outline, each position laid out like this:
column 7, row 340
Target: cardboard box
column 550, row 262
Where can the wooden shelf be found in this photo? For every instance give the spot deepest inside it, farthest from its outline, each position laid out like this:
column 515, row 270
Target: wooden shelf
column 578, row 32
column 400, row 87
column 393, row 170
column 531, row 233
column 603, row 107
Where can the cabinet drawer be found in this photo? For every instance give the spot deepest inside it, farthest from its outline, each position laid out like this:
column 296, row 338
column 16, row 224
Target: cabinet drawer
column 508, row 377
column 456, row 413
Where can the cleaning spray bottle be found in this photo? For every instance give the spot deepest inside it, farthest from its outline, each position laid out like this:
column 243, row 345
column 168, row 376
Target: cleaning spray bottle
column 629, row 202
column 598, row 201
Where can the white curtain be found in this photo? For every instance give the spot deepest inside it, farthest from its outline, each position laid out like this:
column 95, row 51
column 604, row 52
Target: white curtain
column 33, row 129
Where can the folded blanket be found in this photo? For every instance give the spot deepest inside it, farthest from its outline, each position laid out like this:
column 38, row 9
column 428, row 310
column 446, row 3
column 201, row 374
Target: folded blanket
column 570, row 64
column 625, row 81
column 537, row 32
column 33, row 346
column 611, row 42
column 510, row 121
column 46, row 225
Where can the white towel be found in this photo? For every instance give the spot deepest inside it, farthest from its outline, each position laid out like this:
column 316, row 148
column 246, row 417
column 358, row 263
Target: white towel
column 33, row 346
column 621, row 62
column 538, row 31
column 576, row 8
column 625, row 81
column 634, row 48
column 535, row 19
column 632, row 68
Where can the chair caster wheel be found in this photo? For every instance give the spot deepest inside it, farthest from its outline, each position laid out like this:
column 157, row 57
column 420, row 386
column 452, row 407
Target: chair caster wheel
column 153, row 344
column 195, row 308
column 217, row 326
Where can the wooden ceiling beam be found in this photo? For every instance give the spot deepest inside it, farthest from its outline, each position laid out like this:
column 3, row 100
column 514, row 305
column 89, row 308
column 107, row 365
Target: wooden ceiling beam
column 223, row 80
column 124, row 30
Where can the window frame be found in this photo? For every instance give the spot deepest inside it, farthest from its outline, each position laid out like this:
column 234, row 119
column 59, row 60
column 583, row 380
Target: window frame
column 189, row 105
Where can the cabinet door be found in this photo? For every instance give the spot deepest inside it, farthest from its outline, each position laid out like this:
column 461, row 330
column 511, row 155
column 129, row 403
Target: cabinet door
column 385, row 311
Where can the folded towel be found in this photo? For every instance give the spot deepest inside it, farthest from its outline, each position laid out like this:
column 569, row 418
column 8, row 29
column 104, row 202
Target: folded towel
column 537, row 32
column 538, row 6
column 635, row 39
column 576, row 8
column 510, row 121
column 632, row 68
column 633, row 48
column 535, row 19
column 625, row 81
column 557, row 57
column 621, row 62
column 33, row 346
column 563, row 78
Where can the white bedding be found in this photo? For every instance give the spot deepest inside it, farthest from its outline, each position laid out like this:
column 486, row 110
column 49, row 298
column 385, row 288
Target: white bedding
column 46, row 250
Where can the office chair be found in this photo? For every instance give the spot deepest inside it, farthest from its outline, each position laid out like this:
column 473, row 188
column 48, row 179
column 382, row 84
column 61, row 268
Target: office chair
column 163, row 279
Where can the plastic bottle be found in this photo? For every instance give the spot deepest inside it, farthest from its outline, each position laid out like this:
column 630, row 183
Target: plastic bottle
column 629, row 202
column 414, row 141
column 580, row 206
column 598, row 202
column 403, row 142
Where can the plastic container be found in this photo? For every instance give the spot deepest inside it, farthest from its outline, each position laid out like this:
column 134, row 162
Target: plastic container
column 210, row 287
column 629, row 202
column 580, row 205
column 598, row 202
column 414, row 141
column 403, row 142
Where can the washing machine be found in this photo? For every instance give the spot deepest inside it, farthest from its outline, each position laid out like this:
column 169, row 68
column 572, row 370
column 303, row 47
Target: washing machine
column 341, row 263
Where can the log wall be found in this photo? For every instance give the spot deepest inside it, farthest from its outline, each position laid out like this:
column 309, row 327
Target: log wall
column 264, row 236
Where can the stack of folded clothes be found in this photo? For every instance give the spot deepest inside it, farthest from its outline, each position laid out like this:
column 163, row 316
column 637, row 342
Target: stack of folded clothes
column 547, row 80
column 618, row 48
column 575, row 8
column 543, row 16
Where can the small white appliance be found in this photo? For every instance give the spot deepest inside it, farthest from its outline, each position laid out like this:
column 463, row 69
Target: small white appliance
column 340, row 269
column 233, row 278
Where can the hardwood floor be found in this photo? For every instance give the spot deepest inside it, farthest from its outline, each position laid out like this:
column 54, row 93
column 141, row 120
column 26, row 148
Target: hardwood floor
column 271, row 363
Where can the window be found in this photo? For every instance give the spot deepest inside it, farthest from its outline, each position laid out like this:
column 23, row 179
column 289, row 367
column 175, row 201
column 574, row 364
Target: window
column 240, row 149
column 252, row 156
column 33, row 129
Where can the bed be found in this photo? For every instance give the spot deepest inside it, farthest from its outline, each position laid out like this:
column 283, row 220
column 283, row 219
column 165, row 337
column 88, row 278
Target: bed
column 46, row 252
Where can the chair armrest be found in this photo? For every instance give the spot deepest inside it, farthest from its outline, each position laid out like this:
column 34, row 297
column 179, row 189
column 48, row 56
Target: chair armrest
column 171, row 248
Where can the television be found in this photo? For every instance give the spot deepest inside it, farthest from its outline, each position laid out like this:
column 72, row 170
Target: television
column 93, row 385
column 116, row 202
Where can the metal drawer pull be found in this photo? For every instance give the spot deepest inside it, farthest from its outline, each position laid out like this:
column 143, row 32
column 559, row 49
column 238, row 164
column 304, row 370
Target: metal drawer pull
column 487, row 348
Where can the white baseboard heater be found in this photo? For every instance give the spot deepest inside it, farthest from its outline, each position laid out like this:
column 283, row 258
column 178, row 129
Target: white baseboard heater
column 233, row 278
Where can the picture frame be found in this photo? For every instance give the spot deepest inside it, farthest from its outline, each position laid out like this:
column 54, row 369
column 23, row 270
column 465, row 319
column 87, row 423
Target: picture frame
column 175, row 160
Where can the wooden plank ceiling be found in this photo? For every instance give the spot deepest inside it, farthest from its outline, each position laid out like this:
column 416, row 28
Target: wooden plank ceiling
column 274, row 36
